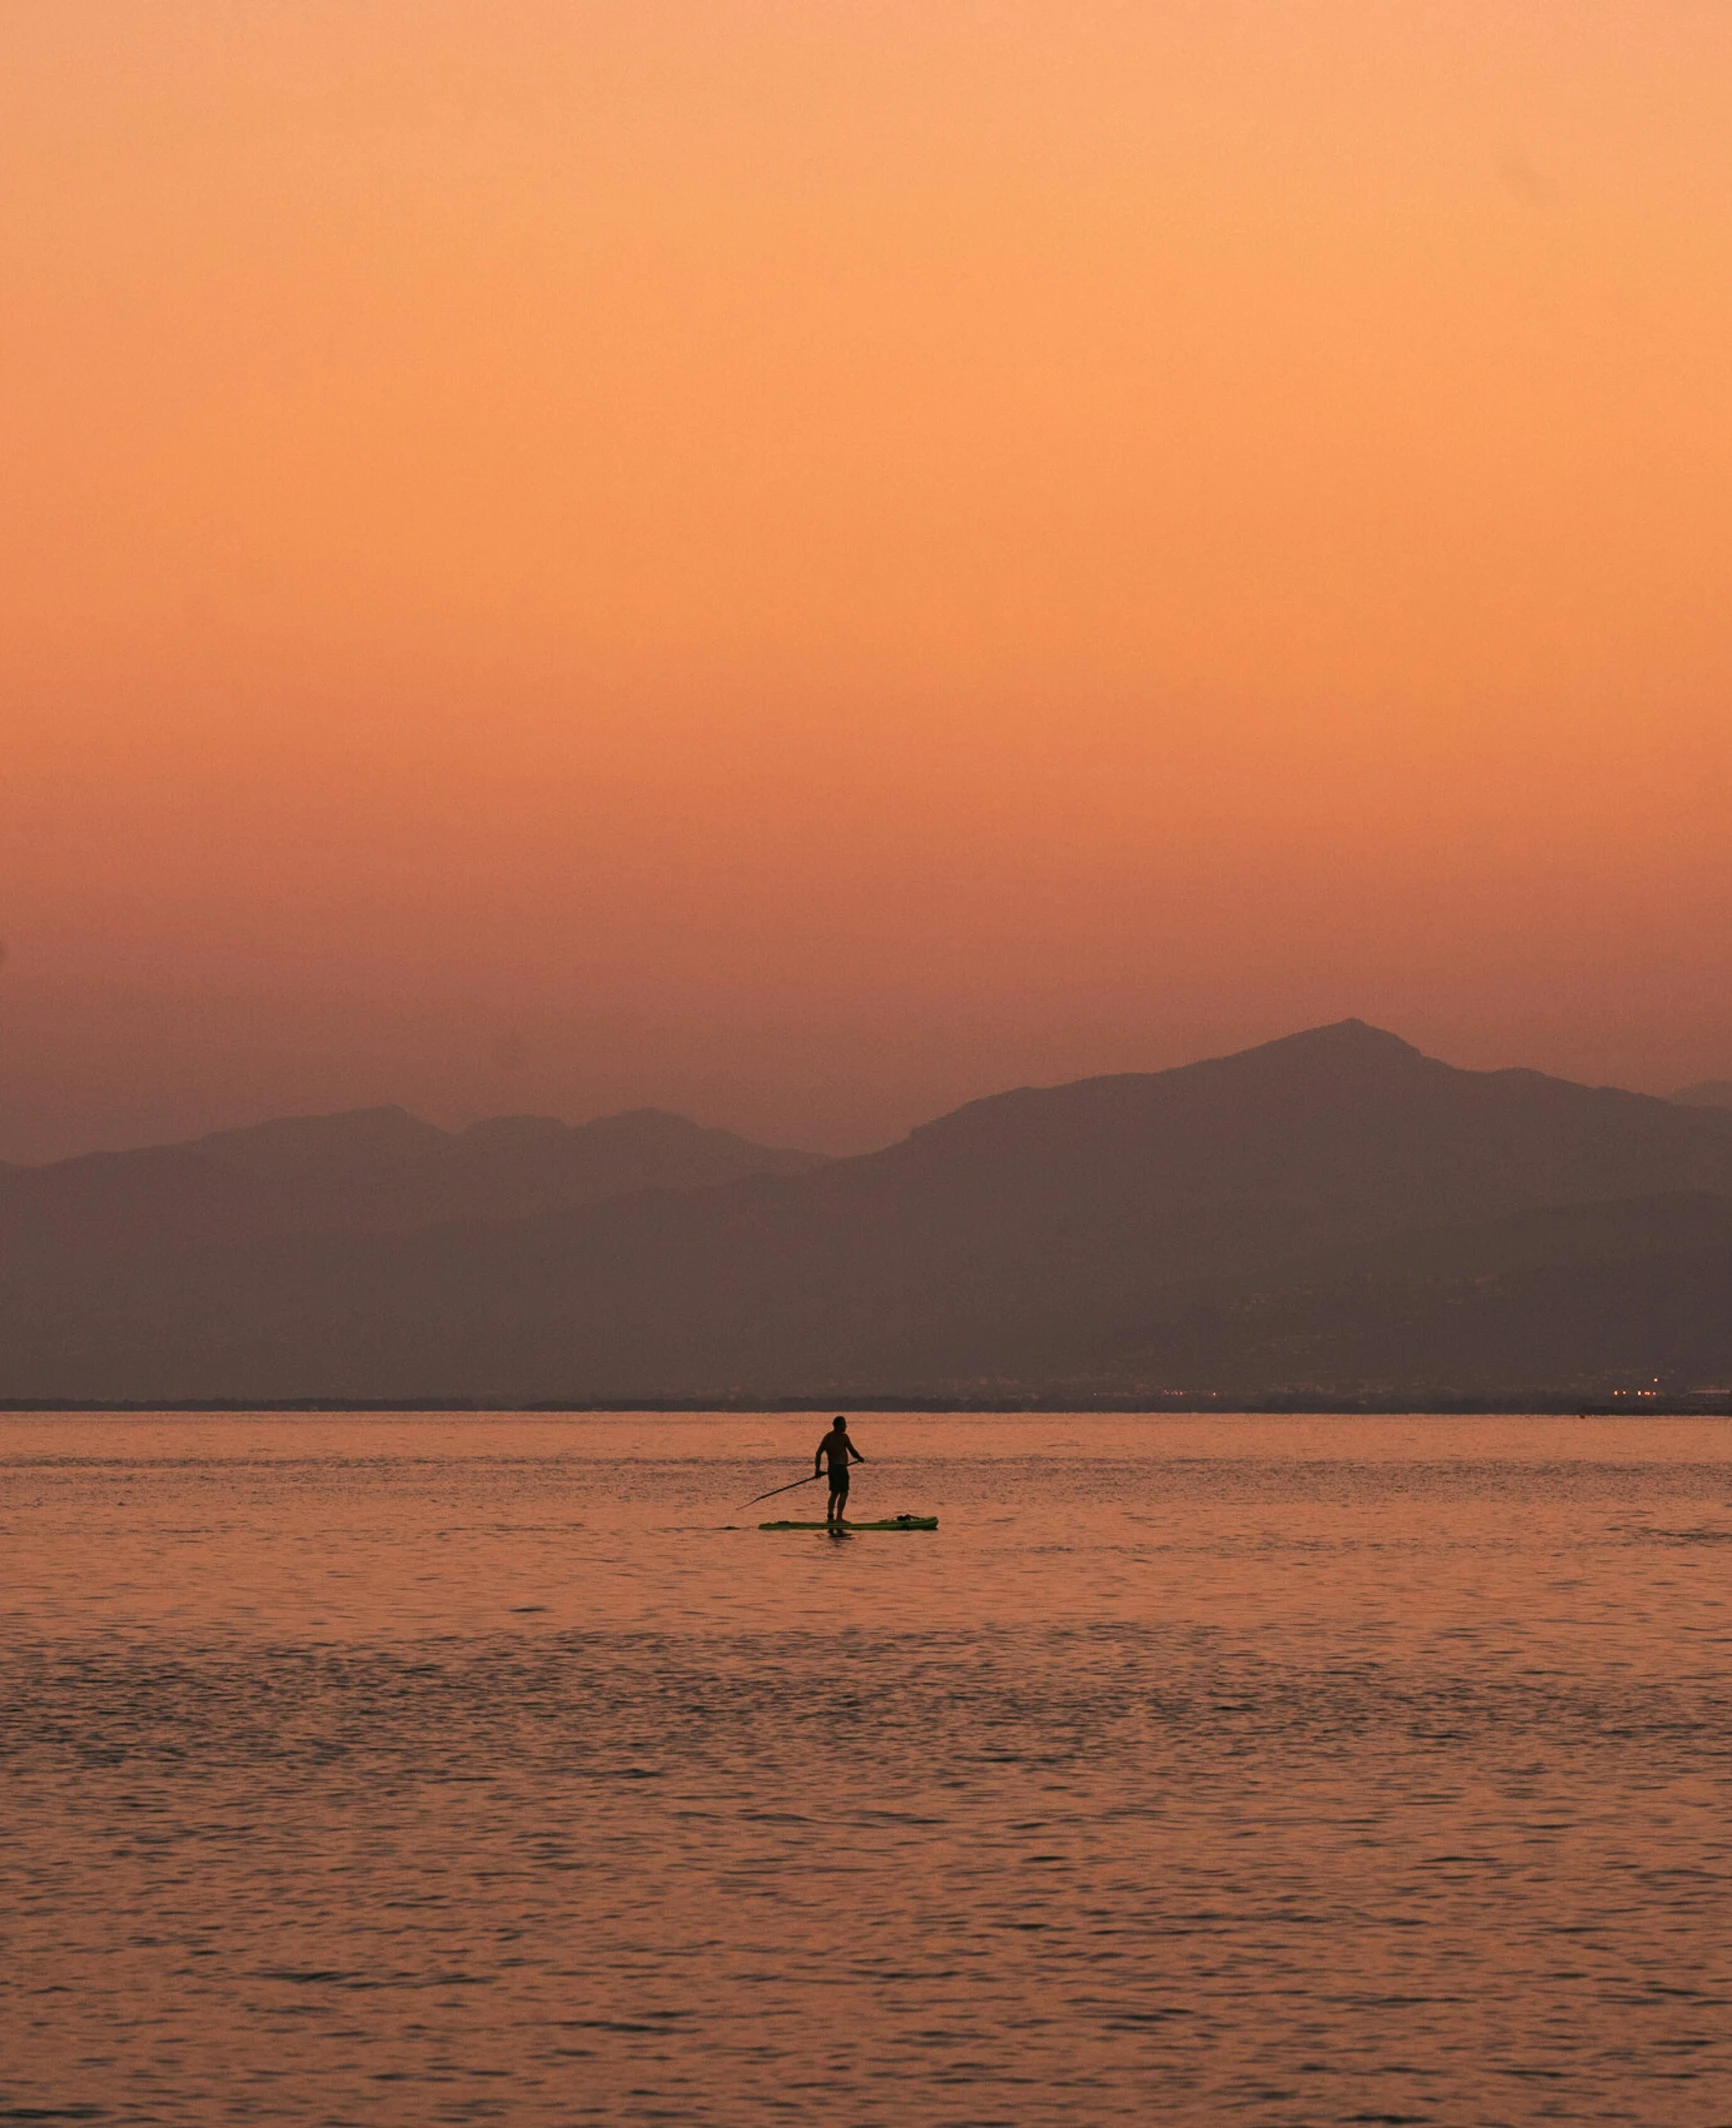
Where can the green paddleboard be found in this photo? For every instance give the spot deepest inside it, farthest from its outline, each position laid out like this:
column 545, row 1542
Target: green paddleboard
column 898, row 1522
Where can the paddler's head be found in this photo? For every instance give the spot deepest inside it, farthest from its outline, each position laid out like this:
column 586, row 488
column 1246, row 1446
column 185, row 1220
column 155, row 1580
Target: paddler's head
column 841, row 1425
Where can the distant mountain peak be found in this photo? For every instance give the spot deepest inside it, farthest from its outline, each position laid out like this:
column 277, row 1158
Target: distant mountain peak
column 1351, row 1038
column 1346, row 1057
column 1354, row 1029
column 1346, row 1054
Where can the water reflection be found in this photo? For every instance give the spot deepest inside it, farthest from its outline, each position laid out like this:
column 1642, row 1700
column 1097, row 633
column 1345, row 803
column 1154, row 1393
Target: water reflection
column 1262, row 1771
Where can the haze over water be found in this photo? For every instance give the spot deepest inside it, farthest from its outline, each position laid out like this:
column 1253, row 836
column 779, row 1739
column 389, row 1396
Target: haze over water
column 1251, row 1770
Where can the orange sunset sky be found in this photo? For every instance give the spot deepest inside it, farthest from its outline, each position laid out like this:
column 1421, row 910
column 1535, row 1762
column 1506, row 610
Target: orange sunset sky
column 803, row 560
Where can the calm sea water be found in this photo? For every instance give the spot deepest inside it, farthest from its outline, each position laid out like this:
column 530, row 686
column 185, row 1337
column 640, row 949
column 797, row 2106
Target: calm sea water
column 499, row 1769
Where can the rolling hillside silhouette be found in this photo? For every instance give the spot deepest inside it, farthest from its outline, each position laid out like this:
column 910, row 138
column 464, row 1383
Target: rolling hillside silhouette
column 368, row 1171
column 1193, row 1228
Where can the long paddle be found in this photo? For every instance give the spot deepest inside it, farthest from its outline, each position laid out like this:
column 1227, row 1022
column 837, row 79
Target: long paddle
column 811, row 1479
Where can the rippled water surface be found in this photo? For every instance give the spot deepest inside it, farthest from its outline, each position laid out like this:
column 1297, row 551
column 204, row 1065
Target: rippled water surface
column 499, row 1769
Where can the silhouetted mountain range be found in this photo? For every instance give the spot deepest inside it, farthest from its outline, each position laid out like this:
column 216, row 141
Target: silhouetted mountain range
column 370, row 1171
column 1331, row 1212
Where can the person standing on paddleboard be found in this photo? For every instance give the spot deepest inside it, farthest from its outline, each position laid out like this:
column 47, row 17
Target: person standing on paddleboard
column 838, row 1448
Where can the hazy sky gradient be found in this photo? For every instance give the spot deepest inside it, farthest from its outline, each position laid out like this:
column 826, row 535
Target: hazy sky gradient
column 800, row 562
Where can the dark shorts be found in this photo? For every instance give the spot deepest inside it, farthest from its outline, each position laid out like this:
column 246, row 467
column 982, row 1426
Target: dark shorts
column 838, row 1479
